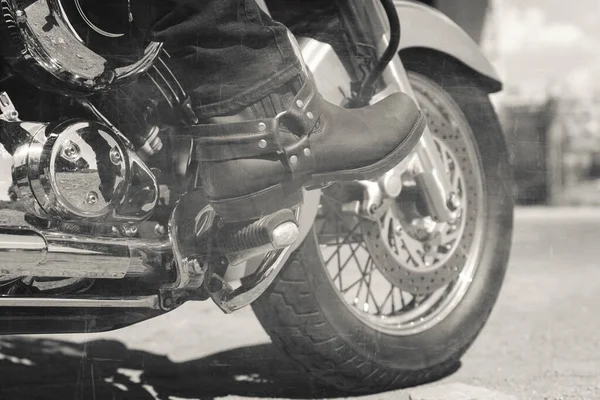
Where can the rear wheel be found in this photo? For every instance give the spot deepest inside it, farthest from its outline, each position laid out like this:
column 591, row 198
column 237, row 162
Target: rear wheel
column 369, row 305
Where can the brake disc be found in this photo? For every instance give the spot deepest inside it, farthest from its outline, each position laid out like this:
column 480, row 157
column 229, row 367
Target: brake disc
column 412, row 251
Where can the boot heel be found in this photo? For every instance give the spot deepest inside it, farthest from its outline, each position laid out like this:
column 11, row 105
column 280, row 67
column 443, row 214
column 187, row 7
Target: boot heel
column 259, row 204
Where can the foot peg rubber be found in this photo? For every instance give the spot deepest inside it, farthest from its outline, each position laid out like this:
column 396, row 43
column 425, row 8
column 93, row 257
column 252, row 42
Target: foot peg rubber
column 242, row 241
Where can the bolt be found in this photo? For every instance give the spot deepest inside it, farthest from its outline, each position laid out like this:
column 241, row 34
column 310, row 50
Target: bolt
column 91, row 198
column 71, row 150
column 13, row 115
column 160, row 230
column 115, row 156
column 223, row 261
column 293, row 159
column 130, row 230
column 453, row 201
column 310, row 115
column 168, row 302
column 373, row 208
column 307, row 152
column 262, row 144
column 398, row 229
column 262, row 126
column 300, row 103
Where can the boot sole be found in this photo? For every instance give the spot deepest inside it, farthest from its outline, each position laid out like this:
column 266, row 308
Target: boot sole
column 289, row 195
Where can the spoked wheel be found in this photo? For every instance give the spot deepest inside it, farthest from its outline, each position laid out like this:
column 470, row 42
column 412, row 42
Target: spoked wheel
column 395, row 298
column 403, row 272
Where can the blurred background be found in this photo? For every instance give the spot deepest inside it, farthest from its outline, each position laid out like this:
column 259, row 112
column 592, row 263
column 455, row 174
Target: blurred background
column 548, row 54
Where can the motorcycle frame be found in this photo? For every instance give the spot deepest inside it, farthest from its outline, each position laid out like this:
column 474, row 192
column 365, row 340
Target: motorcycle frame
column 77, row 314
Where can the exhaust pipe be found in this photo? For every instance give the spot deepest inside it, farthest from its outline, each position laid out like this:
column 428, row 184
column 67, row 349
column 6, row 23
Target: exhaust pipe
column 29, row 252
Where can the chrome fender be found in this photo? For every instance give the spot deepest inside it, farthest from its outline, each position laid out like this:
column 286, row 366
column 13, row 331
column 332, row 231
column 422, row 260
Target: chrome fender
column 426, row 27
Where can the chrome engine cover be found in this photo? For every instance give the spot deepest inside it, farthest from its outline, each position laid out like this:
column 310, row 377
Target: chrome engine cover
column 78, row 170
column 39, row 41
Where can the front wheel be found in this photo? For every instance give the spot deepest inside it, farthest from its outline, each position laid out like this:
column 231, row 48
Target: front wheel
column 373, row 305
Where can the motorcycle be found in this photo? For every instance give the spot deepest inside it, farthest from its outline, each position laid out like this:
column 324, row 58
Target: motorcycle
column 368, row 285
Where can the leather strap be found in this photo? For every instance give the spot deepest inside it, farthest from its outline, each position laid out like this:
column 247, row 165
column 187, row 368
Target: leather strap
column 261, row 137
column 238, row 140
column 304, row 112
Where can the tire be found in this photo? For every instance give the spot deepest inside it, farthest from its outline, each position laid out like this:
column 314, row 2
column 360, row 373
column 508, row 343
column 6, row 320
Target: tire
column 310, row 322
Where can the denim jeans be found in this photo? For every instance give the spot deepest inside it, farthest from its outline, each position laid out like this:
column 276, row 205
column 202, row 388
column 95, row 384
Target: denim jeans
column 227, row 53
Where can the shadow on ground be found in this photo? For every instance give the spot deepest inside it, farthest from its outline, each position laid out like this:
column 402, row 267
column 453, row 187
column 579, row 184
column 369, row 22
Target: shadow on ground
column 107, row 369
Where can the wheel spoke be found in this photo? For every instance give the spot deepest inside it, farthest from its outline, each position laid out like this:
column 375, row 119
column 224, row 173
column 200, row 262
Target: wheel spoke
column 369, row 292
column 389, row 295
column 341, row 267
column 343, row 243
column 362, row 287
column 360, row 280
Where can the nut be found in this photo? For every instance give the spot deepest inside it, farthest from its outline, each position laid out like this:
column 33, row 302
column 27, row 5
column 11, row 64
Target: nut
column 71, row 151
column 91, row 198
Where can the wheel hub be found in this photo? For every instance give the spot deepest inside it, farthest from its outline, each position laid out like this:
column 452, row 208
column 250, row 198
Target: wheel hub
column 414, row 252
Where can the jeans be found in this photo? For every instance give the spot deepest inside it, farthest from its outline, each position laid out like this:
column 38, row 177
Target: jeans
column 228, row 54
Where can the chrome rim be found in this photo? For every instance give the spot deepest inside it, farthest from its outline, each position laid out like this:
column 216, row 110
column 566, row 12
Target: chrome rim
column 350, row 246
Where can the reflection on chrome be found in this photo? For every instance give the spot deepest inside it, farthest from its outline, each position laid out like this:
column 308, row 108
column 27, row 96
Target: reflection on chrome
column 53, row 57
column 78, row 170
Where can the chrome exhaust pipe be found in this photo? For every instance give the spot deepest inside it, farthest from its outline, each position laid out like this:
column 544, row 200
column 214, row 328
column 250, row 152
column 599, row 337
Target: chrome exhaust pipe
column 30, row 252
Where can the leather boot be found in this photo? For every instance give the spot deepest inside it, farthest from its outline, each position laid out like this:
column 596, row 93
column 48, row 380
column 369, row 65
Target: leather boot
column 256, row 162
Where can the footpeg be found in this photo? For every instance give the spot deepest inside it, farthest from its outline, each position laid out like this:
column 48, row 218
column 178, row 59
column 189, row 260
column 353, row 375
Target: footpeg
column 239, row 242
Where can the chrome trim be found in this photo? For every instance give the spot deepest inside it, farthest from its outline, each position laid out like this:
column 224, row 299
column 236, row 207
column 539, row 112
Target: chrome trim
column 52, row 56
column 229, row 299
column 147, row 302
column 78, row 170
column 31, row 252
column 190, row 274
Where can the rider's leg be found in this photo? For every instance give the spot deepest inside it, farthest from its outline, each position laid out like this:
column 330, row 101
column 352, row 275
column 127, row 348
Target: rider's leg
column 228, row 53
column 243, row 70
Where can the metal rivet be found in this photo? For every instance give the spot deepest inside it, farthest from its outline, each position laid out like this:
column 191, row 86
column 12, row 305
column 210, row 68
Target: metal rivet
column 262, row 144
column 262, row 126
column 310, row 115
column 300, row 103
column 293, row 159
column 91, row 198
column 307, row 152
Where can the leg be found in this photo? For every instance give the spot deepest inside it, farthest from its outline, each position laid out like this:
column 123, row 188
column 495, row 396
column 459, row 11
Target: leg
column 269, row 133
column 228, row 53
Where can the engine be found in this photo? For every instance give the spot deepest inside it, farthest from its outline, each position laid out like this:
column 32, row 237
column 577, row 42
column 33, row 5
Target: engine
column 77, row 170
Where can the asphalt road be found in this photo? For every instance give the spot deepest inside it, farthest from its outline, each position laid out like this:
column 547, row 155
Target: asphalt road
column 542, row 341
